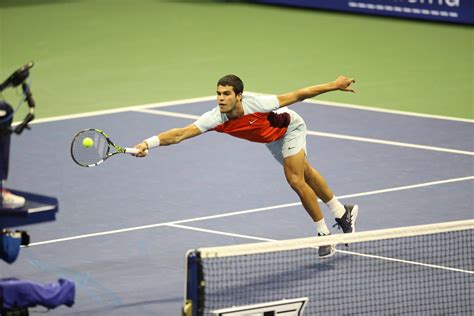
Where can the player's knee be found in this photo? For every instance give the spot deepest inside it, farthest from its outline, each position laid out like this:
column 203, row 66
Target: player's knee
column 296, row 182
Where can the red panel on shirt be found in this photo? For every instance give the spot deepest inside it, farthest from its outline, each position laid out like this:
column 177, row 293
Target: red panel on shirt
column 254, row 127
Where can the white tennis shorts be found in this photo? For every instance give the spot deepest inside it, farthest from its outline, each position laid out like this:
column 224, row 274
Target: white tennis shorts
column 293, row 141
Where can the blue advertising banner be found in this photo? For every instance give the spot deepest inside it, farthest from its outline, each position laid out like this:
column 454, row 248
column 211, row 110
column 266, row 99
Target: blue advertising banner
column 454, row 11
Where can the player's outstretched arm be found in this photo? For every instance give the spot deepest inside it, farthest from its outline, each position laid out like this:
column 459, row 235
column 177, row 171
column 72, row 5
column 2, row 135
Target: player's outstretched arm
column 342, row 83
column 169, row 137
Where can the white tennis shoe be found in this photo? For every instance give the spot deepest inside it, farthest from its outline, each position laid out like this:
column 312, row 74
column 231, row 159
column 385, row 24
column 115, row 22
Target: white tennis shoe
column 348, row 220
column 326, row 251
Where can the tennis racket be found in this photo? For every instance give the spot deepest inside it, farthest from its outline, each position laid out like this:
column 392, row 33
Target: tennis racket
column 87, row 153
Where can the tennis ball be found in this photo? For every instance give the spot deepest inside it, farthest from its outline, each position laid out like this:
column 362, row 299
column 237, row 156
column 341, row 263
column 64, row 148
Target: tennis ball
column 87, row 142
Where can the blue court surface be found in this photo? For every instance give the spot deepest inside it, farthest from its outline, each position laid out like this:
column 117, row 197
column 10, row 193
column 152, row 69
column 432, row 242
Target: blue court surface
column 123, row 228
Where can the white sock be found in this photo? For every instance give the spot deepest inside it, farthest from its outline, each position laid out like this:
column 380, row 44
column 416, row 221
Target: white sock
column 336, row 207
column 321, row 227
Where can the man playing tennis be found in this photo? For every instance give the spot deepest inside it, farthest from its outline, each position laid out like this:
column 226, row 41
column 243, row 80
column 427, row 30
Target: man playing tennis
column 266, row 119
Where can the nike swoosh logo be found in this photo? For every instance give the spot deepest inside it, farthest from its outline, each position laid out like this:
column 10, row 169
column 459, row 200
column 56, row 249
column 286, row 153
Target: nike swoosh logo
column 290, row 148
column 251, row 122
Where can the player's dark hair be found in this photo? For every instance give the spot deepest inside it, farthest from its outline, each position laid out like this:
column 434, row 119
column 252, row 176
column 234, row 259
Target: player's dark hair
column 233, row 81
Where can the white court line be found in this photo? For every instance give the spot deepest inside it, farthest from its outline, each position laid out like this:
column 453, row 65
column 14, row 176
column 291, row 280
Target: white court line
column 391, row 143
column 119, row 110
column 209, row 231
column 255, row 210
column 406, row 261
column 217, row 232
column 210, row 98
column 330, row 135
column 380, row 110
column 168, row 113
column 404, row 113
column 408, row 187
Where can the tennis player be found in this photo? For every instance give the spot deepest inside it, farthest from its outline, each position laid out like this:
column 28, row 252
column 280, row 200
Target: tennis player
column 267, row 119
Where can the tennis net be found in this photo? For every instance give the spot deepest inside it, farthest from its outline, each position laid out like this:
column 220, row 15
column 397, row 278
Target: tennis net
column 426, row 269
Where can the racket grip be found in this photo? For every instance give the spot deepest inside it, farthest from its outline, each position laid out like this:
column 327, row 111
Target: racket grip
column 132, row 151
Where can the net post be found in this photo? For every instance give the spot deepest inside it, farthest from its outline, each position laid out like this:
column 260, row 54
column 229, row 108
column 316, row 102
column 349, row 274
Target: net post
column 194, row 285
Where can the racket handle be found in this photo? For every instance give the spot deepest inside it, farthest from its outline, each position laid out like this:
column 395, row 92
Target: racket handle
column 132, row 151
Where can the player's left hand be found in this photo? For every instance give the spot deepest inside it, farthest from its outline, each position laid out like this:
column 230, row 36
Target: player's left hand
column 343, row 83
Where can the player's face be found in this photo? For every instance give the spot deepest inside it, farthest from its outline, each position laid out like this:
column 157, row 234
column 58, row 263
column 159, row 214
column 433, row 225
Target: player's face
column 226, row 98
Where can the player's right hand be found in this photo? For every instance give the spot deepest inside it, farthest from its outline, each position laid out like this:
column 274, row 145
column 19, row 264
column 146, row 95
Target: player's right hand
column 143, row 147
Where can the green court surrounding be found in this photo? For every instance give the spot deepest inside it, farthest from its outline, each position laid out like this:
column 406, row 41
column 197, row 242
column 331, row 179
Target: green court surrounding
column 101, row 54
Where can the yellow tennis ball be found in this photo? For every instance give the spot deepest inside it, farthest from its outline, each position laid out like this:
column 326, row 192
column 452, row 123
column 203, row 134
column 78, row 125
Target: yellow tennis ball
column 87, row 142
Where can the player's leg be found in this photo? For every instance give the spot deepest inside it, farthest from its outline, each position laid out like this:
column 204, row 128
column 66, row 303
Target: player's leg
column 293, row 167
column 317, row 182
column 345, row 215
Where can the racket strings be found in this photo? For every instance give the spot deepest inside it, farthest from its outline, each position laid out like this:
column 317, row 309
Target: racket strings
column 92, row 155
